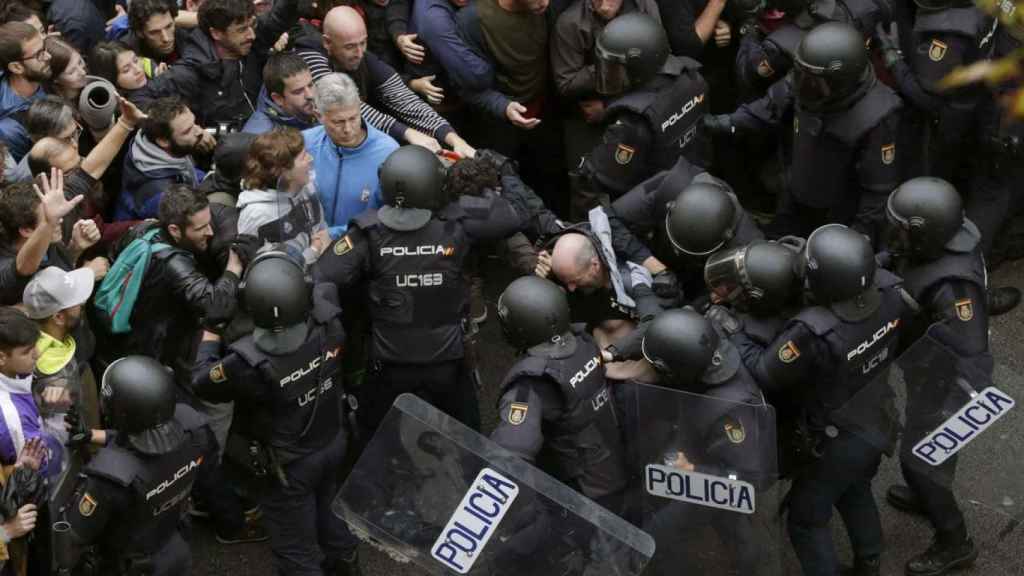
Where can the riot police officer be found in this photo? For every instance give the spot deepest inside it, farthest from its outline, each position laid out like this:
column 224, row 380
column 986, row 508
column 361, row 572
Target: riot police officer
column 655, row 116
column 288, row 371
column 724, row 432
column 946, row 34
column 411, row 253
column 837, row 351
column 131, row 496
column 555, row 396
column 766, row 57
column 684, row 223
column 938, row 253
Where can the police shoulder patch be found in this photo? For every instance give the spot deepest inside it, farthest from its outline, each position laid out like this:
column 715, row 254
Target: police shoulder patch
column 624, row 154
column 217, row 374
column 965, row 309
column 937, row 51
column 734, row 430
column 888, row 153
column 343, row 246
column 517, row 413
column 789, row 352
column 87, row 505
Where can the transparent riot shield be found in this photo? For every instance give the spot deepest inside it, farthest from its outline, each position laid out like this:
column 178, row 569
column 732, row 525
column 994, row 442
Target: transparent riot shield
column 704, row 471
column 429, row 490
column 963, row 434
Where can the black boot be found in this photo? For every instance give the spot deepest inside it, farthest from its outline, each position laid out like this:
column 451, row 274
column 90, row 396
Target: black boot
column 942, row 557
column 903, row 498
column 861, row 567
column 1002, row 300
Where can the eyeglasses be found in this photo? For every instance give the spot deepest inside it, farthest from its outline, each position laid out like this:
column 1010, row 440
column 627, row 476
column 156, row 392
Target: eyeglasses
column 41, row 55
column 73, row 137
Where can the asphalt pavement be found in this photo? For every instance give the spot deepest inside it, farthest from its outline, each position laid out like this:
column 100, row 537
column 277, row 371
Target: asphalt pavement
column 990, row 475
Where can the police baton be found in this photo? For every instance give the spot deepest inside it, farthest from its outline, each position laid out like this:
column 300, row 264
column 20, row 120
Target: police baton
column 63, row 553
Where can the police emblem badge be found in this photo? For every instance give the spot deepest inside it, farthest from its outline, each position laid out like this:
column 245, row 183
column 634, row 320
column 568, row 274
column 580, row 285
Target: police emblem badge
column 341, row 247
column 734, row 431
column 937, row 51
column 624, row 154
column 87, row 505
column 517, row 413
column 764, row 69
column 965, row 309
column 789, row 352
column 217, row 374
column 888, row 153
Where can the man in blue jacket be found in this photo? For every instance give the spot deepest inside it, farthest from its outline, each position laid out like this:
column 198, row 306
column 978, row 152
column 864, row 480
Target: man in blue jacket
column 24, row 66
column 346, row 153
column 287, row 96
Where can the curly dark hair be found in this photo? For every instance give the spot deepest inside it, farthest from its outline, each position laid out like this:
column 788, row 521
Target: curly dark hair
column 219, row 14
column 162, row 112
column 270, row 154
column 178, row 204
column 140, row 11
column 470, row 176
column 18, row 206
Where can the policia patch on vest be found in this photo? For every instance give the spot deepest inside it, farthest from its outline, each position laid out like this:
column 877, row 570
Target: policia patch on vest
column 888, row 154
column 343, row 246
column 624, row 154
column 789, row 352
column 517, row 413
column 937, row 51
column 734, row 431
column 217, row 374
column 965, row 309
column 87, row 505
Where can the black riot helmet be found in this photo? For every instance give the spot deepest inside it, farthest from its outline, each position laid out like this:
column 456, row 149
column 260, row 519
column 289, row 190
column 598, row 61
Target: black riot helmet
column 761, row 277
column 832, row 67
column 138, row 395
column 681, row 345
column 533, row 311
column 278, row 296
column 701, row 219
column 924, row 215
column 838, row 263
column 629, row 52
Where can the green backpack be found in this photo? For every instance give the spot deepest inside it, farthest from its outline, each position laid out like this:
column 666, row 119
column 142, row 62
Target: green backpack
column 116, row 296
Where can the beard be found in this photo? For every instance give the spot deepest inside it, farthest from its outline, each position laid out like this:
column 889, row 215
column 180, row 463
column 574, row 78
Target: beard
column 33, row 75
column 179, row 150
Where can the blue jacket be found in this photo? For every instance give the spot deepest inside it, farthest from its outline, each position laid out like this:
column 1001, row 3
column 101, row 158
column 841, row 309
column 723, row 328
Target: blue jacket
column 141, row 191
column 346, row 178
column 269, row 115
column 12, row 132
column 434, row 21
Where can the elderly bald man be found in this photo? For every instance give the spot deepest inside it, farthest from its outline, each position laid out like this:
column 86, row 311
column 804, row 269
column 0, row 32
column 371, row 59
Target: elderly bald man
column 388, row 104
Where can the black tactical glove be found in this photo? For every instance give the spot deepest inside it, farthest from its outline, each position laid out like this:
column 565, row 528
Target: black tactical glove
column 889, row 44
column 724, row 319
column 245, row 247
column 78, row 433
column 666, row 288
column 719, row 124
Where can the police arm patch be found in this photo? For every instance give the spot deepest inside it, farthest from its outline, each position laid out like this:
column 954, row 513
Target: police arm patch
column 937, row 51
column 343, row 246
column 734, row 430
column 888, row 154
column 965, row 309
column 517, row 413
column 217, row 374
column 87, row 505
column 624, row 154
column 789, row 352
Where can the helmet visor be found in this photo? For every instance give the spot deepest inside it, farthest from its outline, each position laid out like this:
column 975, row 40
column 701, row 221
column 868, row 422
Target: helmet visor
column 724, row 274
column 612, row 74
column 812, row 89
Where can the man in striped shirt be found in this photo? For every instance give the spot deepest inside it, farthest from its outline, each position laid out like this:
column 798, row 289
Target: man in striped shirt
column 407, row 118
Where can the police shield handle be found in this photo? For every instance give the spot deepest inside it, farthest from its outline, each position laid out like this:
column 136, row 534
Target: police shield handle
column 967, row 424
column 474, row 521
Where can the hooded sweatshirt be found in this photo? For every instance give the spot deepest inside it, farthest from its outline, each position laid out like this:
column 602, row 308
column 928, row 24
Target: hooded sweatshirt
column 269, row 115
column 20, row 422
column 278, row 217
column 56, row 367
column 346, row 178
column 12, row 131
column 148, row 171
